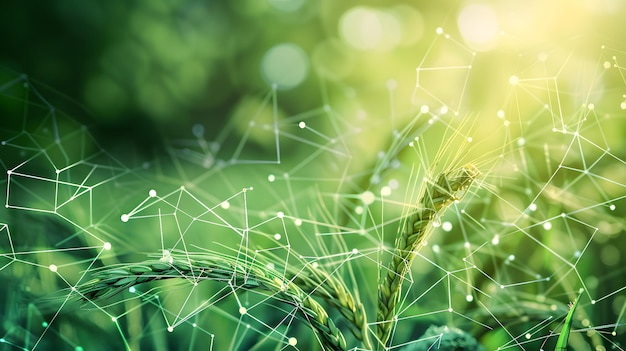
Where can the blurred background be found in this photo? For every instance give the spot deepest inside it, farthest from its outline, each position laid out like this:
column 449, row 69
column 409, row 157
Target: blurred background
column 330, row 110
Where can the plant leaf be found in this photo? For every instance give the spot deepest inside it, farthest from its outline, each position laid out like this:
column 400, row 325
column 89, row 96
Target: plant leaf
column 561, row 343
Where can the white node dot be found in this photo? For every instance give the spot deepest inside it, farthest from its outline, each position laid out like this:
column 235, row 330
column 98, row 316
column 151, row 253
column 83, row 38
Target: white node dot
column 132, row 289
column 125, row 217
column 470, row 139
column 511, row 258
column 385, row 191
column 521, row 142
column 368, row 197
column 469, row 298
column 532, row 207
column 527, row 336
column 358, row 210
column 450, row 309
column 293, row 341
column 170, row 329
column 547, row 226
column 612, row 207
column 439, row 30
column 606, row 65
column 280, row 214
column 495, row 240
column 107, row 246
column 114, row 319
column 355, row 251
column 623, row 105
column 467, row 245
column 436, row 248
column 152, row 193
column 271, row 178
column 277, row 236
column 591, row 106
column 243, row 310
column 53, row 268
column 513, row 80
column 500, row 114
column 225, row 205
column 446, row 226
column 297, row 222
column 424, row 109
column 302, row 125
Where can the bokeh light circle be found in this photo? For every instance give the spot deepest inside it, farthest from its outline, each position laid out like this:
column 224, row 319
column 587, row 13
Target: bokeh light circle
column 285, row 65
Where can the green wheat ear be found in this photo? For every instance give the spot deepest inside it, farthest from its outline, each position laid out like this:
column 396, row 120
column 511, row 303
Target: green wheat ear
column 219, row 268
column 417, row 226
column 561, row 343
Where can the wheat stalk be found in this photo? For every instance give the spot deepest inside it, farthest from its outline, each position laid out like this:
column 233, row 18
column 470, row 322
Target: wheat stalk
column 333, row 290
column 417, row 226
column 111, row 281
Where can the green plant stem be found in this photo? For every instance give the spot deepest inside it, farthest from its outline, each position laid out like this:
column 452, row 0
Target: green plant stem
column 113, row 280
column 561, row 343
column 417, row 226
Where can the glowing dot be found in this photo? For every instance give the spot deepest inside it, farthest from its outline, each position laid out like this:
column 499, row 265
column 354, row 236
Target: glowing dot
column 285, row 66
column 293, row 341
column 500, row 114
column 225, row 205
column 53, row 267
column 107, row 246
column 467, row 245
column 358, row 210
column 606, row 65
column 355, row 251
column 302, row 125
column 623, row 105
column 392, row 84
column 315, row 265
column 547, row 226
column 436, row 222
column 125, row 217
column 270, row 266
column 368, row 197
column 470, row 139
column 436, row 248
column 297, row 222
column 495, row 240
column 394, row 184
column 469, row 298
column 280, row 214
column 132, row 289
column 385, row 191
column 513, row 80
column 424, row 109
column 532, row 207
column 44, row 324
column 446, row 226
column 277, row 236
column 271, row 178
column 527, row 335
column 507, row 123
column 511, row 258
column 612, row 207
column 521, row 142
column 152, row 193
column 439, row 30
column 593, row 302
column 591, row 106
column 78, row 348
column 243, row 310
column 114, row 319
column 170, row 329
column 450, row 309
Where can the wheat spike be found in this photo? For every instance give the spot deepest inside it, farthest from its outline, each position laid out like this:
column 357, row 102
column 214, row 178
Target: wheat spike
column 113, row 280
column 416, row 227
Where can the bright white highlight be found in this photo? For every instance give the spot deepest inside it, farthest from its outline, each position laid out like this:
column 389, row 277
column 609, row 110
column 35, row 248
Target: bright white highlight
column 479, row 27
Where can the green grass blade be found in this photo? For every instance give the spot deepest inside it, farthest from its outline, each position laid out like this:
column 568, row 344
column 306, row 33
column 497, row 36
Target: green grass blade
column 561, row 343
